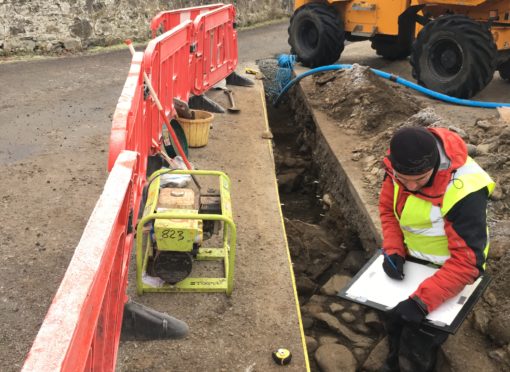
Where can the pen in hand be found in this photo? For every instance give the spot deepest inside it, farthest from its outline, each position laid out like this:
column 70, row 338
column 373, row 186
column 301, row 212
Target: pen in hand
column 396, row 274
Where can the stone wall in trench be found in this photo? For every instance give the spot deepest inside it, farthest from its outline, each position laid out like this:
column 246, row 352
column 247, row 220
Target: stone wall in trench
column 44, row 26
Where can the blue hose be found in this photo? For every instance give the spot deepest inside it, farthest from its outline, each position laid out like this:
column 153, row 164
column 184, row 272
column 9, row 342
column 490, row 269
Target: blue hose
column 404, row 82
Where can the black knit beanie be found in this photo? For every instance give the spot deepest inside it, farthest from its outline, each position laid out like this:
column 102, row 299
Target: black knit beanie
column 413, row 150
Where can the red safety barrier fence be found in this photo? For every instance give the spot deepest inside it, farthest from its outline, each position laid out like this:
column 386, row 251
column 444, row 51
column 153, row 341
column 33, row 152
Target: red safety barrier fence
column 82, row 327
column 215, row 56
column 167, row 20
column 128, row 132
column 189, row 58
column 167, row 62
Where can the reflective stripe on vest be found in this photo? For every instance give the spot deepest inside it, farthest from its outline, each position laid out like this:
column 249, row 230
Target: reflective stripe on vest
column 422, row 223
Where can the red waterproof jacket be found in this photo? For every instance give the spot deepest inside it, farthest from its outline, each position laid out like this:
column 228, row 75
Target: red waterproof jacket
column 465, row 225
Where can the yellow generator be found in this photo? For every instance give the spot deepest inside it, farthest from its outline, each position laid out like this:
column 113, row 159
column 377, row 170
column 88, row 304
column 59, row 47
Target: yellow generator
column 459, row 46
column 171, row 255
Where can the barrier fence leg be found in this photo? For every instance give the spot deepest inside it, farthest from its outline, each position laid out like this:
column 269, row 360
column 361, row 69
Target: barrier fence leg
column 205, row 103
column 144, row 323
column 235, row 79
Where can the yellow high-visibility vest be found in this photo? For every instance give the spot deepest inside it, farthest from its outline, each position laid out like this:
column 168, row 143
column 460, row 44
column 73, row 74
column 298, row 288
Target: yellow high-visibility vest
column 422, row 223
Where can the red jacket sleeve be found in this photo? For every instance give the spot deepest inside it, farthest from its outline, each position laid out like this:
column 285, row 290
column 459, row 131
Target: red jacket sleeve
column 393, row 240
column 466, row 228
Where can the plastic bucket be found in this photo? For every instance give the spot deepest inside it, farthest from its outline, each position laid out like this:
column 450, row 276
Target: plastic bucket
column 197, row 130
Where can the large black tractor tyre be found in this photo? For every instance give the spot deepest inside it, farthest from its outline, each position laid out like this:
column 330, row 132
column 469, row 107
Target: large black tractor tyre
column 504, row 70
column 390, row 48
column 454, row 55
column 316, row 35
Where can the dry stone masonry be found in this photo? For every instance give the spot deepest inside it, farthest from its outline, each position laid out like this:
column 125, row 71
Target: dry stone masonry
column 44, row 26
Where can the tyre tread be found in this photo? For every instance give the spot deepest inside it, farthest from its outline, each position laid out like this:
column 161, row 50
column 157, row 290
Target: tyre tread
column 478, row 75
column 331, row 39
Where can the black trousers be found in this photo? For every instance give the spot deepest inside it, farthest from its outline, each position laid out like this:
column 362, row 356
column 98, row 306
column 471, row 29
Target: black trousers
column 412, row 349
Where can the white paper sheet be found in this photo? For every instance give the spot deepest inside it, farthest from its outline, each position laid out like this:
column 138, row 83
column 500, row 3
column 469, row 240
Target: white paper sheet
column 374, row 285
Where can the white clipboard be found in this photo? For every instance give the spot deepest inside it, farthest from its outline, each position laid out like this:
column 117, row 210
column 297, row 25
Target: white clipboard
column 373, row 288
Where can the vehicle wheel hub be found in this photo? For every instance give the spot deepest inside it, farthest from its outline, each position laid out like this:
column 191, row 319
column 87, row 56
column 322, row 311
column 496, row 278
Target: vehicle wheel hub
column 446, row 58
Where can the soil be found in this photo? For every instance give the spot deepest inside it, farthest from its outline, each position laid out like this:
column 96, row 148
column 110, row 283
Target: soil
column 358, row 99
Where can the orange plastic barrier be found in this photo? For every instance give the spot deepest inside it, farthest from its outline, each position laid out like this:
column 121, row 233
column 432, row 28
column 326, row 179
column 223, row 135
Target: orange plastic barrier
column 167, row 20
column 167, row 62
column 82, row 327
column 128, row 119
column 215, row 56
column 189, row 58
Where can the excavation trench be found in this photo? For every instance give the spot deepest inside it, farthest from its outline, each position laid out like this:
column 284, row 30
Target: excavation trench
column 325, row 245
column 329, row 134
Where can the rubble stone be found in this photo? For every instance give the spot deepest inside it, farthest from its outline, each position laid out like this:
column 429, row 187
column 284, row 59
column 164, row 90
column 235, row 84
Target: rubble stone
column 471, row 149
column 348, row 317
column 359, row 353
column 327, row 199
column 307, row 322
column 362, row 328
column 377, row 356
column 335, row 358
column 327, row 340
column 499, row 328
column 334, row 285
column 311, row 344
column 305, row 285
column 502, row 356
column 335, row 325
column 483, row 148
column 484, row 124
column 490, row 298
column 318, row 299
column 354, row 261
column 72, row 44
column 481, row 320
column 336, row 307
column 371, row 318
column 312, row 308
column 289, row 181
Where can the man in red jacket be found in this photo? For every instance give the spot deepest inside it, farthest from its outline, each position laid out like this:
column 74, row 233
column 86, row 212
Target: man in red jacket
column 433, row 207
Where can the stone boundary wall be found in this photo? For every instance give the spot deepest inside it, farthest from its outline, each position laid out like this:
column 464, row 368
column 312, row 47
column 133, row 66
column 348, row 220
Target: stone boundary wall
column 48, row 26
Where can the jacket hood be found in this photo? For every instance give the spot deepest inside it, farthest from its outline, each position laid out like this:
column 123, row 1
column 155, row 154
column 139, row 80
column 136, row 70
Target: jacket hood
column 453, row 155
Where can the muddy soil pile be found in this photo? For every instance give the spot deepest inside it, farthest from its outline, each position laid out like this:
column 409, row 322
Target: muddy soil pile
column 359, row 100
column 374, row 109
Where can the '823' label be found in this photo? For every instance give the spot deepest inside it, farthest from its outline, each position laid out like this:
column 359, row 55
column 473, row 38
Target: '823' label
column 172, row 234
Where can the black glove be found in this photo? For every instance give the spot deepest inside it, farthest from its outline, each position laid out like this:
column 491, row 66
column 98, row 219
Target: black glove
column 398, row 260
column 409, row 311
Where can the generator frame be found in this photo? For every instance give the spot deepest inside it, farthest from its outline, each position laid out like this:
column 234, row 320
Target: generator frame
column 226, row 253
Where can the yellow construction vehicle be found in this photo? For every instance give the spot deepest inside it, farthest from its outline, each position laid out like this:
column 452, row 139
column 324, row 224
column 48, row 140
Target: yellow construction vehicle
column 454, row 46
